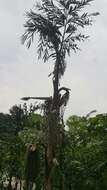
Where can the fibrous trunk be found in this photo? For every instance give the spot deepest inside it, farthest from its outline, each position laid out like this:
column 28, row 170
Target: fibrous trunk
column 53, row 118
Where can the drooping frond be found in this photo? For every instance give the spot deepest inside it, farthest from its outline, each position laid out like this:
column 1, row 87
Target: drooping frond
column 59, row 25
column 53, row 12
column 74, row 4
column 49, row 35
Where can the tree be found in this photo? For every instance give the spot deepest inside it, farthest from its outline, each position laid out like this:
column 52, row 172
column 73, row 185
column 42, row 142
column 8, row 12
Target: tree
column 86, row 153
column 11, row 146
column 58, row 24
column 19, row 129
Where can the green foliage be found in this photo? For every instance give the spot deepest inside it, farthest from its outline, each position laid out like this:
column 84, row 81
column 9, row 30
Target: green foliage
column 32, row 132
column 82, row 161
column 85, row 153
column 58, row 24
column 32, row 165
column 18, row 130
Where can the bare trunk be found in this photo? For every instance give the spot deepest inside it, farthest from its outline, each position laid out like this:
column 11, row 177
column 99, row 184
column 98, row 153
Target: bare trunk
column 10, row 183
column 16, row 184
column 49, row 155
column 27, row 184
column 52, row 133
column 20, row 184
column 56, row 83
column 1, row 185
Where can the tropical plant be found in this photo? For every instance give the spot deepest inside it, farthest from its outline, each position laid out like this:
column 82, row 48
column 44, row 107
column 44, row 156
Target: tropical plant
column 81, row 161
column 86, row 153
column 19, row 129
column 58, row 25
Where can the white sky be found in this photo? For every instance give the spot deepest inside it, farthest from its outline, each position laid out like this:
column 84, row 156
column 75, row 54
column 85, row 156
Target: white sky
column 21, row 75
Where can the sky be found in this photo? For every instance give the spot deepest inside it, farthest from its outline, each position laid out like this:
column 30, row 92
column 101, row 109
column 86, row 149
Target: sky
column 22, row 74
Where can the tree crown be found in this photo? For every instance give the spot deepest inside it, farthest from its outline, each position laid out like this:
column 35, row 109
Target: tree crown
column 58, row 24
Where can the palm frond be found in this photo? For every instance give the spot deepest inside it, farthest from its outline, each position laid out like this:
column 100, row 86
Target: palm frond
column 49, row 34
column 40, row 24
column 53, row 12
column 57, row 23
column 74, row 4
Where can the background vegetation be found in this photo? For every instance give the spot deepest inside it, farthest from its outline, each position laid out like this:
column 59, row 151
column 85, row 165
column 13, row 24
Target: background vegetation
column 83, row 158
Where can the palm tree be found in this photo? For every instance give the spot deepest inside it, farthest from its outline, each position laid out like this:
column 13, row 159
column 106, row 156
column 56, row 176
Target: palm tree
column 59, row 24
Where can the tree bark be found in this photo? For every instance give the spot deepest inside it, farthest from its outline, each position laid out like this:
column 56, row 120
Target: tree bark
column 1, row 185
column 52, row 118
column 16, row 184
column 10, row 183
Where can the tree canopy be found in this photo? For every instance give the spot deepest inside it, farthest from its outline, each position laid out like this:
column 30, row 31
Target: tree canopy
column 58, row 24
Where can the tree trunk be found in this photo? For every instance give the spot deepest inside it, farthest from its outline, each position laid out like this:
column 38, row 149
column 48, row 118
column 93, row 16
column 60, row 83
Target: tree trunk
column 27, row 184
column 52, row 118
column 56, row 84
column 48, row 166
column 10, row 183
column 20, row 184
column 1, row 185
column 16, row 184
